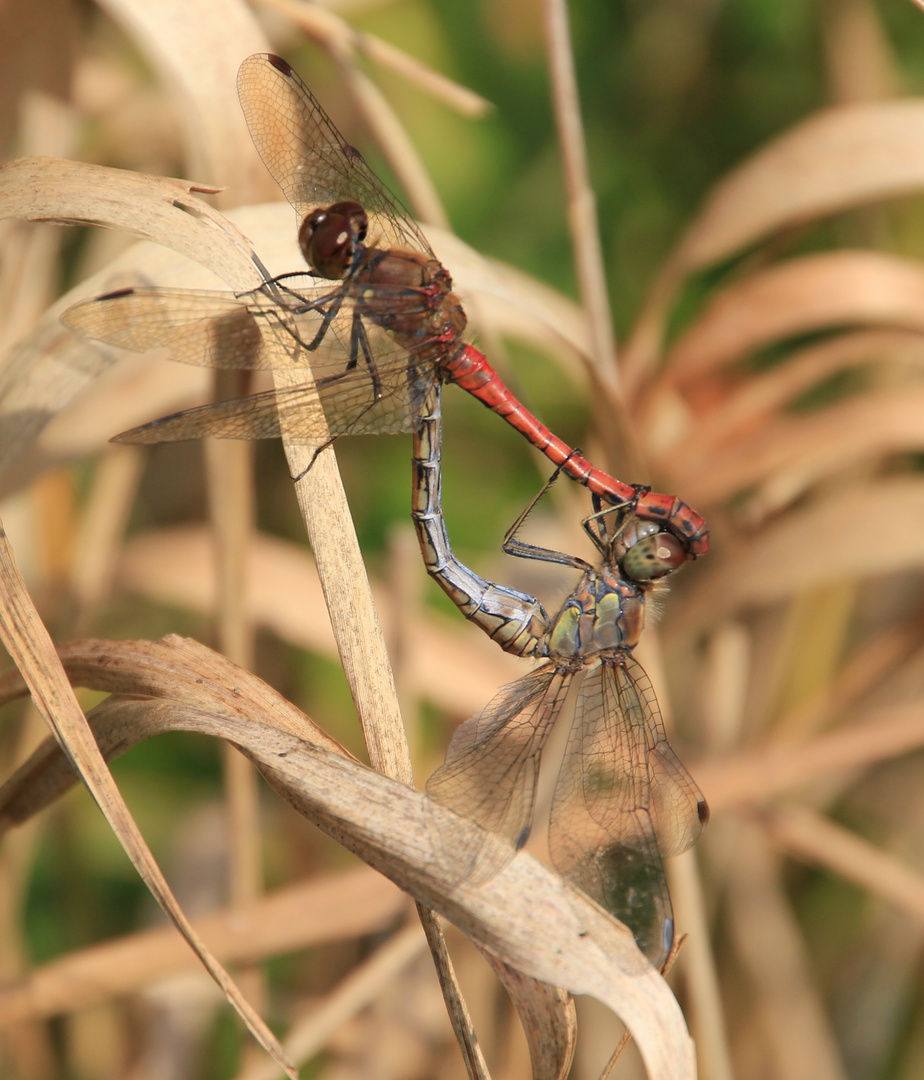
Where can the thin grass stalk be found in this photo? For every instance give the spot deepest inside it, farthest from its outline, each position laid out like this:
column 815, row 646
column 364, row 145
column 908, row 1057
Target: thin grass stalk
column 230, row 482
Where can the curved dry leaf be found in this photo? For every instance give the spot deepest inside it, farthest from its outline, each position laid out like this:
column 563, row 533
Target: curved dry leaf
column 836, row 159
column 751, row 778
column 526, row 915
column 548, row 1017
column 335, row 907
column 151, row 207
column 46, row 370
column 797, row 297
column 806, row 448
column 808, row 548
column 752, row 402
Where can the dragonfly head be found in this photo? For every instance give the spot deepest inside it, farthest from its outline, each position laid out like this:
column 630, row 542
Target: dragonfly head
column 330, row 237
column 640, row 549
column 653, row 556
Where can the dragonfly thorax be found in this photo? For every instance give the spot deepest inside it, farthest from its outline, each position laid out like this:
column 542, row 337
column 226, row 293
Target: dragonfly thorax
column 410, row 295
column 604, row 613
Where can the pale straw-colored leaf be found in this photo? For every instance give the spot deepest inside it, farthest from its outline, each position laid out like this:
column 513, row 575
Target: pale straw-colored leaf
column 525, row 914
column 49, row 368
column 798, row 297
column 808, row 447
column 834, row 160
column 196, row 48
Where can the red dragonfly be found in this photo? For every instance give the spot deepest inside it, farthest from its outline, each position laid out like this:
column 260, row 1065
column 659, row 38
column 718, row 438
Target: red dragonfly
column 364, row 317
column 622, row 799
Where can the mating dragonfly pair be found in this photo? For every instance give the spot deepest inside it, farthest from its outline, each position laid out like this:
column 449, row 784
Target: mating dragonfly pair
column 381, row 330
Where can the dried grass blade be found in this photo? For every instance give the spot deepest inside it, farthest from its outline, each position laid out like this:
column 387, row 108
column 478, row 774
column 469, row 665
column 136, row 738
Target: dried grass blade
column 337, row 907
column 807, row 835
column 27, row 641
column 797, row 297
column 834, row 160
column 152, row 207
column 526, row 915
column 548, row 1017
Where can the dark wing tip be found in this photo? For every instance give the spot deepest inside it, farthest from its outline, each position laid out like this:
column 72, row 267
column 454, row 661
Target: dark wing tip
column 129, row 291
column 702, row 810
column 279, row 64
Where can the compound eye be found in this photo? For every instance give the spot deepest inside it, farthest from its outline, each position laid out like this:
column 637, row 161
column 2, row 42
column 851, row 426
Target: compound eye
column 326, row 241
column 355, row 215
column 653, row 557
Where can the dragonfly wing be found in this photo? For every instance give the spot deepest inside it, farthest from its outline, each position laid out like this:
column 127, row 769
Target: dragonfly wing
column 202, row 328
column 313, row 415
column 610, row 822
column 491, row 769
column 678, row 808
column 307, row 156
column 284, row 325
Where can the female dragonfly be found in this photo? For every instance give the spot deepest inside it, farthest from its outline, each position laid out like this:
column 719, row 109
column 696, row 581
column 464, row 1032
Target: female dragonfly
column 622, row 799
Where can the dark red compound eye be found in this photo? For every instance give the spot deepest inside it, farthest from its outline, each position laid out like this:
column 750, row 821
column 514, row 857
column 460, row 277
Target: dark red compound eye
column 329, row 236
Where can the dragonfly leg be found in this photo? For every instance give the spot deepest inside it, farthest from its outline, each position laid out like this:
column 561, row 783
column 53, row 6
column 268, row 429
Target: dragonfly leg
column 523, row 550
column 515, row 620
column 594, row 524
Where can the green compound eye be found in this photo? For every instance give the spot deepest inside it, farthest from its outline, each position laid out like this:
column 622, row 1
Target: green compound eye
column 653, row 556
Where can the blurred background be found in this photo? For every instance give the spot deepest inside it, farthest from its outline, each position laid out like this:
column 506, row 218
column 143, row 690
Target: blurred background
column 762, row 263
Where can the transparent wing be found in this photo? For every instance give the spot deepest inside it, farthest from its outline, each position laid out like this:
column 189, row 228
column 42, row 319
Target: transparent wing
column 491, row 769
column 363, row 377
column 295, row 324
column 622, row 801
column 308, row 157
column 305, row 414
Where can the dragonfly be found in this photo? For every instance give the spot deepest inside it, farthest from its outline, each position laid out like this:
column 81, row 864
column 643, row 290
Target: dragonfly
column 373, row 317
column 622, row 799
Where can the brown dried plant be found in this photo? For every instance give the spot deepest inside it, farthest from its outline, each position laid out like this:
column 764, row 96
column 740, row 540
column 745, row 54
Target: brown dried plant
column 788, row 408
